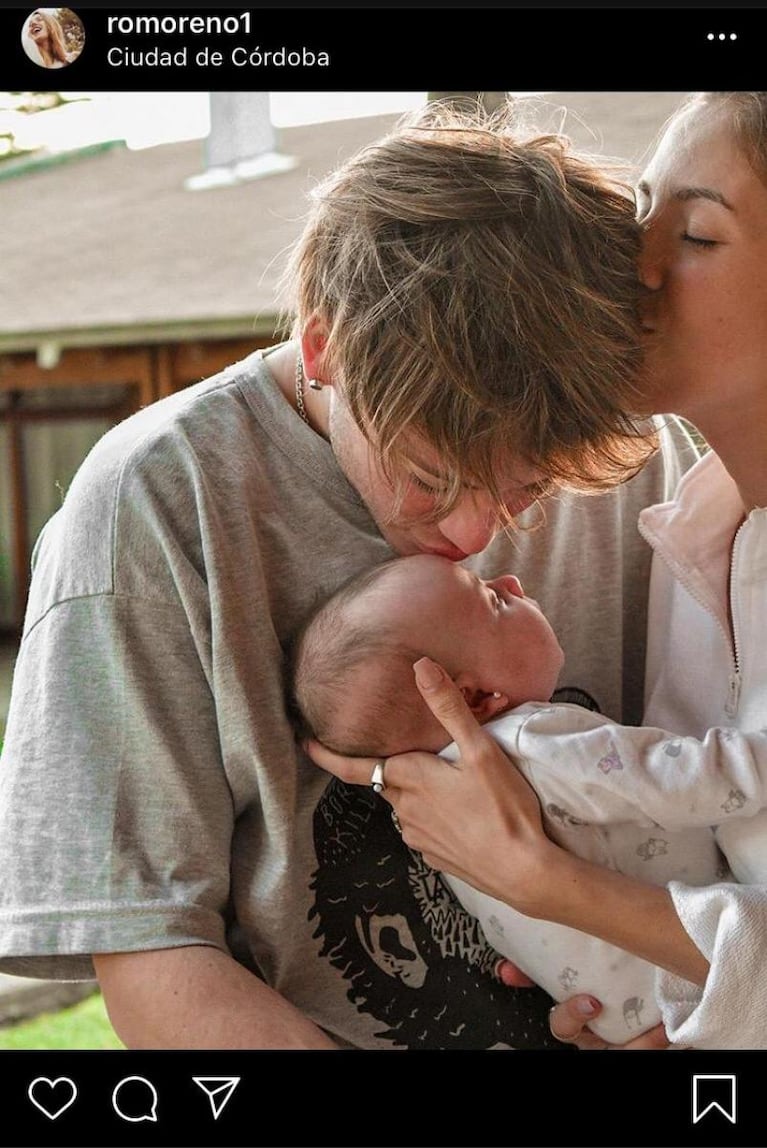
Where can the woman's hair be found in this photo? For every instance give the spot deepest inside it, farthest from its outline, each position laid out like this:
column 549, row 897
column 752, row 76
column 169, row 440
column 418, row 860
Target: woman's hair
column 479, row 288
column 56, row 47
column 748, row 112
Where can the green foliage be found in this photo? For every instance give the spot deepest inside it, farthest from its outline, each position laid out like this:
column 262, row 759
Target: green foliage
column 83, row 1026
column 74, row 33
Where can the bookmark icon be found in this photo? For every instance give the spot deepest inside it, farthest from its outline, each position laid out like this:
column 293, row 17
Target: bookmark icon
column 218, row 1089
column 714, row 1092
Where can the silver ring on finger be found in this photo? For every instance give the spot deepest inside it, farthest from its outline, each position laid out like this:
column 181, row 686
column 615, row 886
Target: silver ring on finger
column 377, row 777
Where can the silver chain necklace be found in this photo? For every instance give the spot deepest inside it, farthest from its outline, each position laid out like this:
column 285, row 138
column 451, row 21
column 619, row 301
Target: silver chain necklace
column 300, row 404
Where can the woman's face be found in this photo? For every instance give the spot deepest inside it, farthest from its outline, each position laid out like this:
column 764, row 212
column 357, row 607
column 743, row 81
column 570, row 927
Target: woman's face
column 704, row 209
column 37, row 27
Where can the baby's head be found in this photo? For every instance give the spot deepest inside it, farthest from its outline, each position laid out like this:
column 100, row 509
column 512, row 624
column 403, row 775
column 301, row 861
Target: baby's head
column 351, row 670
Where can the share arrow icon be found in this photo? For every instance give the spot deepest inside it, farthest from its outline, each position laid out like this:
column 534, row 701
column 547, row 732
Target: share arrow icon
column 218, row 1090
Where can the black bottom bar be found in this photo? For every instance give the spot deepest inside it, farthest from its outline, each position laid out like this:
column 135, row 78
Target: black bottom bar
column 384, row 1098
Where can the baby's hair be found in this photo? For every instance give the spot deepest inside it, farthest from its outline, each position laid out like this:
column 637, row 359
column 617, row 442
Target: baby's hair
column 325, row 656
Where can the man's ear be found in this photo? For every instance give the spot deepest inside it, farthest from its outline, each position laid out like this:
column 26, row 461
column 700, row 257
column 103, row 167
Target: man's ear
column 484, row 704
column 314, row 341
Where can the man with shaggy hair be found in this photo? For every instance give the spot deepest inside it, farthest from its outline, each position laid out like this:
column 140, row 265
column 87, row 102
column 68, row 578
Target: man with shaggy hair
column 465, row 339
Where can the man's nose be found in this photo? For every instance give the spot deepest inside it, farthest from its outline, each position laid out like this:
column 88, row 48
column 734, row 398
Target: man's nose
column 472, row 524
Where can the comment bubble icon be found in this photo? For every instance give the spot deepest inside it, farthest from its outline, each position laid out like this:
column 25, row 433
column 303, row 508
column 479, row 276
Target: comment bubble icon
column 135, row 1099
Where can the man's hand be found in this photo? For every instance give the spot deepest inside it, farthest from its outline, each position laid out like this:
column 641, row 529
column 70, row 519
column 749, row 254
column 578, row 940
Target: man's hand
column 511, row 975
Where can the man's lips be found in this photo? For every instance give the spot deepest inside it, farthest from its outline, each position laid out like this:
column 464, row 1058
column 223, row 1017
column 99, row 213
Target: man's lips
column 452, row 553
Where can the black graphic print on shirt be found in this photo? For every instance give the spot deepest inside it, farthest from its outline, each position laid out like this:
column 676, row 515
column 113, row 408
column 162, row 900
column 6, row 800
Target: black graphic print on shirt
column 414, row 960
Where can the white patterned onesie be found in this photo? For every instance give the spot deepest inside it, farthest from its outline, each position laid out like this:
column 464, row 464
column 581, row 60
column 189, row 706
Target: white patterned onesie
column 635, row 799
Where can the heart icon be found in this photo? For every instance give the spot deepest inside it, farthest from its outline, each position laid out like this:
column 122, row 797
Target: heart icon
column 52, row 1097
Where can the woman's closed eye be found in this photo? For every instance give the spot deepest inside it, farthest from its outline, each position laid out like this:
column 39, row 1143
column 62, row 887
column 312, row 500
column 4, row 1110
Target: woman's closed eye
column 699, row 240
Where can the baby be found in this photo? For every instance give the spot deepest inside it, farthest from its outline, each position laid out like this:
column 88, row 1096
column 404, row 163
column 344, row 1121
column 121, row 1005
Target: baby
column 639, row 800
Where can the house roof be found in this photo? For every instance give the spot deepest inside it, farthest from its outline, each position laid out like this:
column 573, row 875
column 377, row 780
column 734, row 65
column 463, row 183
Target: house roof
column 110, row 247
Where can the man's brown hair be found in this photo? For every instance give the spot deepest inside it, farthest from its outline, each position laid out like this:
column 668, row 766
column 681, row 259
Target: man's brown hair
column 479, row 289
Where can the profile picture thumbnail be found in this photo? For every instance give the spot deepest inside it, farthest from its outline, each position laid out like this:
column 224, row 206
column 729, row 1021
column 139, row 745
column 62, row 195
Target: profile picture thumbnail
column 53, row 37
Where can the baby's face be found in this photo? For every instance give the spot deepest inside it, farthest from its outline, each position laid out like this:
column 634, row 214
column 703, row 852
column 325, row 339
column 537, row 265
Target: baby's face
column 487, row 635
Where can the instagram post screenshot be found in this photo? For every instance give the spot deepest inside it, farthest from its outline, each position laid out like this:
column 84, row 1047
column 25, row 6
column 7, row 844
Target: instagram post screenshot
column 383, row 575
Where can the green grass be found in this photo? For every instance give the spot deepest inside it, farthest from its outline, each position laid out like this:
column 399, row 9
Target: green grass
column 83, row 1026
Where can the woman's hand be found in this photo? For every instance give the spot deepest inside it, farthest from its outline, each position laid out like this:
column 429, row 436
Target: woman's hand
column 477, row 818
column 568, row 1022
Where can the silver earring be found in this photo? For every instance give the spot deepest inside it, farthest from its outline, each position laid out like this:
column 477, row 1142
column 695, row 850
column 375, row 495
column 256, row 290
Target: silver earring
column 314, row 384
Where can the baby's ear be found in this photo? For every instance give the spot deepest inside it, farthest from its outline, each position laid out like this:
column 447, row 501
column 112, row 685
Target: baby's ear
column 483, row 705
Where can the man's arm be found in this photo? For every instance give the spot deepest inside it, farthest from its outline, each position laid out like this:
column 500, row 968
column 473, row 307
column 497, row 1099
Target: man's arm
column 198, row 997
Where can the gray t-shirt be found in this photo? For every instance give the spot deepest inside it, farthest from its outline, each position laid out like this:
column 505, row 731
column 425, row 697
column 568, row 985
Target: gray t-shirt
column 151, row 793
